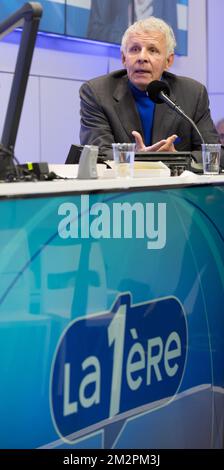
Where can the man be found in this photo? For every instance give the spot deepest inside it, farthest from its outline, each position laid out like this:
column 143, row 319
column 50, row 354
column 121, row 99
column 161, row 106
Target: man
column 220, row 130
column 109, row 19
column 116, row 108
column 165, row 9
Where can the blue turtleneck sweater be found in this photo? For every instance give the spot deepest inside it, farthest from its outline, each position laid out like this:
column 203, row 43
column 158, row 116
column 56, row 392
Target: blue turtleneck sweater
column 146, row 111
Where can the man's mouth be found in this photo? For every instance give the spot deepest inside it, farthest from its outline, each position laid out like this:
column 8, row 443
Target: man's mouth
column 141, row 72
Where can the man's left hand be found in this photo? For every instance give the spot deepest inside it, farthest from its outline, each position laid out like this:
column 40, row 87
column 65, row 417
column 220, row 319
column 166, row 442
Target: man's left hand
column 165, row 145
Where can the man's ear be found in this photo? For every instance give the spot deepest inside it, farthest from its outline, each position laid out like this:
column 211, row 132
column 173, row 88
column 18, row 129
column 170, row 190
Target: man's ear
column 169, row 61
column 123, row 58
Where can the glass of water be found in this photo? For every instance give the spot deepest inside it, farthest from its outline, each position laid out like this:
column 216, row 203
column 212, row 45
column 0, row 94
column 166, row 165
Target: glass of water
column 124, row 156
column 211, row 158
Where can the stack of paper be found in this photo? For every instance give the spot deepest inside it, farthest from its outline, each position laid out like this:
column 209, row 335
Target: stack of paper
column 149, row 169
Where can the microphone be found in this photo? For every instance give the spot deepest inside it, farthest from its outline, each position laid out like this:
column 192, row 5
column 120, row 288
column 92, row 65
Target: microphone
column 158, row 91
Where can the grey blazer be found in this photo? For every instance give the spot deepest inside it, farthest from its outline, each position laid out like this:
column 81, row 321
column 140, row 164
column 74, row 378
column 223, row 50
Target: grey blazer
column 109, row 114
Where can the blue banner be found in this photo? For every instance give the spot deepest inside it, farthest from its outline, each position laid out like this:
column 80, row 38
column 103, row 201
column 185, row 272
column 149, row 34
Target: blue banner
column 106, row 20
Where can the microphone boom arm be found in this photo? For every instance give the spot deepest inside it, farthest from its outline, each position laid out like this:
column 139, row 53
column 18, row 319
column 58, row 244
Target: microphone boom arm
column 177, row 108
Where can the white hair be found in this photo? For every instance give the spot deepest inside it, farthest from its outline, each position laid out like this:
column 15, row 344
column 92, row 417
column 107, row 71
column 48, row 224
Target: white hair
column 148, row 25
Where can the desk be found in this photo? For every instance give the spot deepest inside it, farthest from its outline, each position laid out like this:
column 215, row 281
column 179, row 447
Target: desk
column 111, row 313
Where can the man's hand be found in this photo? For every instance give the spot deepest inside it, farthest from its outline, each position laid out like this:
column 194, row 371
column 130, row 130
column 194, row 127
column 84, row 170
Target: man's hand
column 165, row 145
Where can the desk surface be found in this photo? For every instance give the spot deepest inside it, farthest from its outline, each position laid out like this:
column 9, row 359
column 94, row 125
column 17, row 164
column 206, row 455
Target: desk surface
column 101, row 184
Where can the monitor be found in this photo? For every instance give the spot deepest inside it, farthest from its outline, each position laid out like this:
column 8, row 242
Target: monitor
column 28, row 18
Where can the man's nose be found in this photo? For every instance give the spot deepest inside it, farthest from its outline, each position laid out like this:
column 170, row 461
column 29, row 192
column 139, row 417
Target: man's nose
column 143, row 55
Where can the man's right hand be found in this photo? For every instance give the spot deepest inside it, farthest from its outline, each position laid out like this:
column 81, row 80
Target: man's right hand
column 165, row 145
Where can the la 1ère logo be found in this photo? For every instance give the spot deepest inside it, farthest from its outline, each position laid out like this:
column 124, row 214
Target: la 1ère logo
column 116, row 363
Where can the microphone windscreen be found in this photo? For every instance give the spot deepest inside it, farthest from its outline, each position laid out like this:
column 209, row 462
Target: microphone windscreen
column 154, row 88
